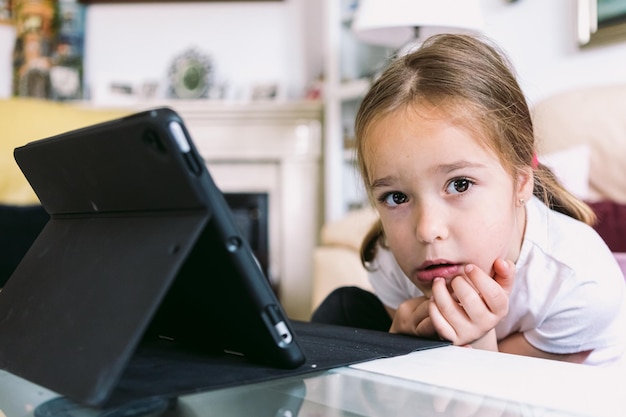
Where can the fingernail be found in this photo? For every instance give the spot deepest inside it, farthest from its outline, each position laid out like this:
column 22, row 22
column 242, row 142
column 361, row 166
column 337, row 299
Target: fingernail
column 469, row 268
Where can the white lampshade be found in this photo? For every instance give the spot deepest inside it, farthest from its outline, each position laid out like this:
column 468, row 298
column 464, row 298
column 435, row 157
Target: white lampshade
column 393, row 23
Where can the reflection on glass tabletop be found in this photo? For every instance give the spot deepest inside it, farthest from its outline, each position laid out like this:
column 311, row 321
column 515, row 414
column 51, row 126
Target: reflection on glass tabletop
column 342, row 392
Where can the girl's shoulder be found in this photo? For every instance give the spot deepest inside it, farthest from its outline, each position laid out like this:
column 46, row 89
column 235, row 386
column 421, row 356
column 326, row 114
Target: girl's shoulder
column 566, row 248
column 561, row 235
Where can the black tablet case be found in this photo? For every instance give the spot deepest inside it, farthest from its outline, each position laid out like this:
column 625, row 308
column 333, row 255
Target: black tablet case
column 141, row 245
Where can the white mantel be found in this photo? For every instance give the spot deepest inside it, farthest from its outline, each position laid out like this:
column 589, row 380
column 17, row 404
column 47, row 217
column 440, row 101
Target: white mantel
column 272, row 147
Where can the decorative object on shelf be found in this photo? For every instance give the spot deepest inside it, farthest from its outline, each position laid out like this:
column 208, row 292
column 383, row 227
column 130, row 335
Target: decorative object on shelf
column 66, row 73
column 399, row 23
column 48, row 53
column 33, row 43
column 191, row 75
column 265, row 92
column 601, row 21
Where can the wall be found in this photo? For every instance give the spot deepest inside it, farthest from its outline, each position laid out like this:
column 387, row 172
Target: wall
column 540, row 38
column 250, row 43
column 264, row 42
column 281, row 41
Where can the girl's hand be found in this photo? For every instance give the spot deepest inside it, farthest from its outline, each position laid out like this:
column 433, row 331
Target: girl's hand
column 412, row 318
column 468, row 312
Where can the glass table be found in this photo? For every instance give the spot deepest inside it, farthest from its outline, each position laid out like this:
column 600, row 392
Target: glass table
column 361, row 390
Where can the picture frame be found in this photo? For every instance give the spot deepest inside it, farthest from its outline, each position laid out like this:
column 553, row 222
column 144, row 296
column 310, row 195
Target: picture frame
column 601, row 22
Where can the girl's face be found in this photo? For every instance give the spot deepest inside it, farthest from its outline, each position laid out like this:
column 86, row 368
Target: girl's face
column 443, row 197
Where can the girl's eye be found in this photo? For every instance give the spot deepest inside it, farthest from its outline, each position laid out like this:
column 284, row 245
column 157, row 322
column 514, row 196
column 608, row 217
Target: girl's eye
column 459, row 185
column 394, row 199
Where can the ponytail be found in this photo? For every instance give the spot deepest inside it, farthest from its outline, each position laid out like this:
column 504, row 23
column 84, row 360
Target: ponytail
column 370, row 243
column 554, row 195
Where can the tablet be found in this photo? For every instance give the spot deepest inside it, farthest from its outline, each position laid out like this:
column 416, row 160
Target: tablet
column 141, row 245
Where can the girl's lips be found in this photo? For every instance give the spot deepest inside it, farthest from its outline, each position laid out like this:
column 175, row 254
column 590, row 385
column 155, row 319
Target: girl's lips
column 444, row 270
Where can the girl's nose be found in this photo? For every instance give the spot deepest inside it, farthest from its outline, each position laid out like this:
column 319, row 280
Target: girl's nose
column 431, row 223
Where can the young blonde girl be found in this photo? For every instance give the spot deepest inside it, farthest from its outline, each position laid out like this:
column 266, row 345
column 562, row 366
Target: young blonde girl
column 477, row 242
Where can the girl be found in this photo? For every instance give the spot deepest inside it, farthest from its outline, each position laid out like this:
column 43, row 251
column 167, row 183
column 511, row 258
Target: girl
column 477, row 242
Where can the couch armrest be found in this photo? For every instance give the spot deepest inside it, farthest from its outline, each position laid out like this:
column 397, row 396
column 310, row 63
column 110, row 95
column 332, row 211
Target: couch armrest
column 335, row 267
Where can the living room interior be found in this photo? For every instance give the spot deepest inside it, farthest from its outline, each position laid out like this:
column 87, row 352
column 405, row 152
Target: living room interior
column 277, row 73
column 273, row 119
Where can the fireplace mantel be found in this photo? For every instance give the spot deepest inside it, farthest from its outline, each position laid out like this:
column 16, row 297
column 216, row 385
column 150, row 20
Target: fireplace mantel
column 272, row 147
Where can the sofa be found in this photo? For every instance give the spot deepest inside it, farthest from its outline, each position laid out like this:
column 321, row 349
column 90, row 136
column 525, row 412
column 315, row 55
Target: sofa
column 581, row 135
column 24, row 120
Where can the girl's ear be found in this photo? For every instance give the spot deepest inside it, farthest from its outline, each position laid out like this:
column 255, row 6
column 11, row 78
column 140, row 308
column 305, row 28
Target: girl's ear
column 525, row 184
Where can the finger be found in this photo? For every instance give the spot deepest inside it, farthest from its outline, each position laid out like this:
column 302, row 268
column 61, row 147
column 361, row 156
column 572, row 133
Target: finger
column 444, row 310
column 444, row 330
column 408, row 316
column 471, row 298
column 472, row 317
column 403, row 318
column 493, row 296
column 426, row 328
column 504, row 274
column 424, row 325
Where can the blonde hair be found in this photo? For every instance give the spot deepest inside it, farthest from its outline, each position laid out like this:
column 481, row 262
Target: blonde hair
column 472, row 80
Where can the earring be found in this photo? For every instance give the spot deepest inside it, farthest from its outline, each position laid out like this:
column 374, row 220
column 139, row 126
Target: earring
column 521, row 201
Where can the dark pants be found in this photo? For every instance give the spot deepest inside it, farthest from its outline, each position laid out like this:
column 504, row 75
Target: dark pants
column 353, row 307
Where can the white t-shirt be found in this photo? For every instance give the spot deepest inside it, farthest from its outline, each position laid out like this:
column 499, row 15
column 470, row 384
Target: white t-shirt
column 569, row 293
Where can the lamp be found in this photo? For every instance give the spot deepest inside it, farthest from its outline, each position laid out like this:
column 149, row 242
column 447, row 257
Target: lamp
column 395, row 23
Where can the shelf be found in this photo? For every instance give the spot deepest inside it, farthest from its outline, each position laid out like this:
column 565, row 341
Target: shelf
column 349, row 67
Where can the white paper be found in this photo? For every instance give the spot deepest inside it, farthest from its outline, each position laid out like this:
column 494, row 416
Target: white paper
column 566, row 387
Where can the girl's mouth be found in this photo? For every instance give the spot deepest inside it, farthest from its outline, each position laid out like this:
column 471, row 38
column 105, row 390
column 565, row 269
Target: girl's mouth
column 431, row 270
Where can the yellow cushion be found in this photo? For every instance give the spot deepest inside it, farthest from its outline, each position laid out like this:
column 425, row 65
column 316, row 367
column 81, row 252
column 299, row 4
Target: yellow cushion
column 24, row 120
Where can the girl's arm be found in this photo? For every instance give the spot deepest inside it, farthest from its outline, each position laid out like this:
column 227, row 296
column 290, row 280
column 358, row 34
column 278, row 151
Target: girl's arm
column 472, row 325
column 517, row 344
